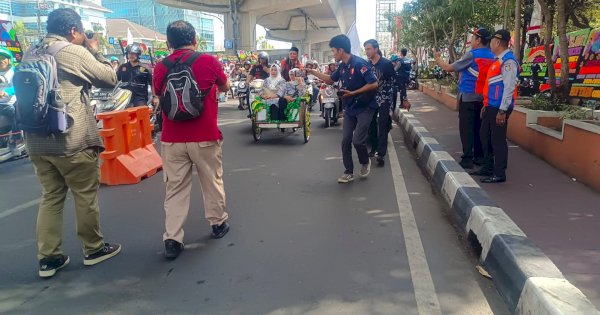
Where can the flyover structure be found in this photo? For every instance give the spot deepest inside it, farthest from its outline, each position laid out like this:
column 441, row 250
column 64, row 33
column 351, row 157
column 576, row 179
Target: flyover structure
column 308, row 24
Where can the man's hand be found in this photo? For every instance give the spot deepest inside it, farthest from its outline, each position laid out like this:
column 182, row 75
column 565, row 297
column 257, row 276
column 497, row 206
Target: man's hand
column 266, row 68
column 311, row 71
column 347, row 93
column 482, row 112
column 93, row 45
column 288, row 98
column 500, row 119
column 155, row 100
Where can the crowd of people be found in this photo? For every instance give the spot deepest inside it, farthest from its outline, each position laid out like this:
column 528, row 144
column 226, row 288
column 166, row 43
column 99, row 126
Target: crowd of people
column 368, row 89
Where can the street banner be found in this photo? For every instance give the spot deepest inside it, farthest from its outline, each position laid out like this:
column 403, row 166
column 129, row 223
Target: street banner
column 587, row 81
column 576, row 43
column 8, row 40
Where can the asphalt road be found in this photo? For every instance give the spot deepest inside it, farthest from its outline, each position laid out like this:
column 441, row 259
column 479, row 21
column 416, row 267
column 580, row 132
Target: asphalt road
column 300, row 243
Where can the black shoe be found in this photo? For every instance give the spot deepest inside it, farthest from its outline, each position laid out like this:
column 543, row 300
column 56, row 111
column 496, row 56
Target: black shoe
column 172, row 249
column 218, row 231
column 482, row 172
column 108, row 251
column 493, row 180
column 372, row 154
column 466, row 164
column 478, row 161
column 380, row 161
column 49, row 266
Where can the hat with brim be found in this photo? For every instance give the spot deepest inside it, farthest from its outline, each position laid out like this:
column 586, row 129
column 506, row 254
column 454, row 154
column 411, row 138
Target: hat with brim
column 482, row 33
column 7, row 53
column 502, row 35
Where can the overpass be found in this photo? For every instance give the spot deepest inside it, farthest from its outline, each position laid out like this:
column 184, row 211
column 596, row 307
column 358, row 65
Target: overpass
column 308, row 24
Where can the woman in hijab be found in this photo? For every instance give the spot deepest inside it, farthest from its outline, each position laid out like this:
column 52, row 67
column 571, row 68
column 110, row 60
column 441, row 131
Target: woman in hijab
column 270, row 89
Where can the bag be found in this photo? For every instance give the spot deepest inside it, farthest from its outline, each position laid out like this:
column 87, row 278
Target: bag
column 39, row 107
column 182, row 99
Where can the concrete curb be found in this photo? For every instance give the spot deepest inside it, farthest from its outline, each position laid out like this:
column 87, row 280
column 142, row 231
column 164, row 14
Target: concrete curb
column 526, row 278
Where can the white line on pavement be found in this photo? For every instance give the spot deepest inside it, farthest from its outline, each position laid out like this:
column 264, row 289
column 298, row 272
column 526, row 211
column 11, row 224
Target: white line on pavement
column 425, row 295
column 19, row 208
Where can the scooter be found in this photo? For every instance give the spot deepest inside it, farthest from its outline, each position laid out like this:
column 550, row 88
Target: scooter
column 329, row 103
column 413, row 84
column 12, row 145
column 242, row 92
column 109, row 100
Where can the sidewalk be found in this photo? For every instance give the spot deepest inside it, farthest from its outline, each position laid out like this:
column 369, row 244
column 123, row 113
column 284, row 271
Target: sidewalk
column 559, row 215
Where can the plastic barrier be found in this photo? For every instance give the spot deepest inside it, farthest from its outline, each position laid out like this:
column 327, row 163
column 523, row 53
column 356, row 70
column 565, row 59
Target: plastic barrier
column 130, row 154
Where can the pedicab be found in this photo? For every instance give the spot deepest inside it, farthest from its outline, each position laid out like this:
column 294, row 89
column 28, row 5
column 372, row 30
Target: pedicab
column 296, row 117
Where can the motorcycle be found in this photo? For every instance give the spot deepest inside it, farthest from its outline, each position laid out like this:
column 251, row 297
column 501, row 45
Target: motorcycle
column 12, row 145
column 312, row 87
column 109, row 100
column 242, row 92
column 329, row 103
column 413, row 84
column 233, row 89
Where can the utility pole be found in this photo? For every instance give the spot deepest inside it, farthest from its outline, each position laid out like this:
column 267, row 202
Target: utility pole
column 39, row 22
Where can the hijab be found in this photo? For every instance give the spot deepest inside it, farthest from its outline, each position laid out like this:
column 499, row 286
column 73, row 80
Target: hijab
column 273, row 81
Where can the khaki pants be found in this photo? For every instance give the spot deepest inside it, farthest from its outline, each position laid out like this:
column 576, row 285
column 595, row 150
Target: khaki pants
column 177, row 169
column 58, row 174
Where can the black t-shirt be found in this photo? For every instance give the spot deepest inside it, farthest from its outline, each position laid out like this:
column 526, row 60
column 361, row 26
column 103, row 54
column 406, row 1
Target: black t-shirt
column 138, row 79
column 386, row 78
column 258, row 72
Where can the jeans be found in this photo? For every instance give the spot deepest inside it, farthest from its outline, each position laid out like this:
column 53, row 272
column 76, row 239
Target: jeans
column 356, row 131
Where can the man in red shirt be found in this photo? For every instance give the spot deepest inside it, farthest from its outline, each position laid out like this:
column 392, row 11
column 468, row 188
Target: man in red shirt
column 192, row 142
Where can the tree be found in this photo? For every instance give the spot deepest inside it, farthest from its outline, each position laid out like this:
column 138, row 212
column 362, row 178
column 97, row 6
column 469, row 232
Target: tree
column 563, row 47
column 202, row 44
column 517, row 48
column 22, row 34
column 263, row 44
column 548, row 20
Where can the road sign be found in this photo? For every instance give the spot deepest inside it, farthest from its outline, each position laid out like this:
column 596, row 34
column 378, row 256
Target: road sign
column 228, row 44
column 111, row 40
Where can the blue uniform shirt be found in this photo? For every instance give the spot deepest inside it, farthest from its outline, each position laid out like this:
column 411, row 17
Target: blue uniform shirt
column 354, row 75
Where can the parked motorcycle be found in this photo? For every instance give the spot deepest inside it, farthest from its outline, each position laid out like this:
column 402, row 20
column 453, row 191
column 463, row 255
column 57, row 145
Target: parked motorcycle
column 330, row 104
column 413, row 84
column 12, row 145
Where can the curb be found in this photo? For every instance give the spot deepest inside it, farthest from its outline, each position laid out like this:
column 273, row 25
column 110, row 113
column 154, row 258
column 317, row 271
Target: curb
column 526, row 278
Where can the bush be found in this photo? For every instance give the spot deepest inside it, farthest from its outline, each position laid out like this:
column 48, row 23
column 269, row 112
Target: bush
column 575, row 112
column 545, row 102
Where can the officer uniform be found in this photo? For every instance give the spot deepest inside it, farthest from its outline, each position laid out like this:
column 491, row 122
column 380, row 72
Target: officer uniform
column 473, row 68
column 499, row 94
column 138, row 78
column 358, row 109
column 403, row 69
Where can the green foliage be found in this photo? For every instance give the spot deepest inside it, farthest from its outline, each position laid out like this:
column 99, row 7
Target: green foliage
column 263, row 44
column 575, row 112
column 548, row 103
column 202, row 43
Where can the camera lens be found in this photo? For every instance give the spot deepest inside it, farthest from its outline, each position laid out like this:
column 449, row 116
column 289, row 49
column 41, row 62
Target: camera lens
column 89, row 34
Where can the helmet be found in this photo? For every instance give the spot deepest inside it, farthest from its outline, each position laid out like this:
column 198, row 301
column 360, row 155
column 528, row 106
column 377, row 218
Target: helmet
column 394, row 57
column 247, row 63
column 7, row 53
column 135, row 48
column 113, row 58
column 316, row 63
column 263, row 55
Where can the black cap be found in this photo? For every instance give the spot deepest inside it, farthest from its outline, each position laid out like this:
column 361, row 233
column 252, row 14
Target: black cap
column 482, row 33
column 294, row 49
column 503, row 35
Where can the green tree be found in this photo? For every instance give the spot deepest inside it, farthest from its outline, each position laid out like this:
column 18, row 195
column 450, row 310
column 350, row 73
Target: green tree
column 202, row 43
column 263, row 44
column 22, row 34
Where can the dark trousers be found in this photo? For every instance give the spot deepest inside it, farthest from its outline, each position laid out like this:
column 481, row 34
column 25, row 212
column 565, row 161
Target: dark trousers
column 394, row 97
column 379, row 129
column 277, row 112
column 493, row 139
column 356, row 130
column 469, row 123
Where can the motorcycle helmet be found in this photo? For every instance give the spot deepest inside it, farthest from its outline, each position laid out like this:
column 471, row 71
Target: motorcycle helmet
column 113, row 58
column 263, row 55
column 8, row 54
column 394, row 58
column 247, row 63
column 134, row 48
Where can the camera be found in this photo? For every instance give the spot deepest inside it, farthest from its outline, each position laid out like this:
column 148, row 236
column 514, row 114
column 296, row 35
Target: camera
column 340, row 93
column 89, row 34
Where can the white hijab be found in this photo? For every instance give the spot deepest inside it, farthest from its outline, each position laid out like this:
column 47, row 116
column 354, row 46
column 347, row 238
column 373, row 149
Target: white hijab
column 273, row 81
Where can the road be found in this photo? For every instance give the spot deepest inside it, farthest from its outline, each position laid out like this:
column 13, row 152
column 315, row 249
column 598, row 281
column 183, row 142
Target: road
column 300, row 243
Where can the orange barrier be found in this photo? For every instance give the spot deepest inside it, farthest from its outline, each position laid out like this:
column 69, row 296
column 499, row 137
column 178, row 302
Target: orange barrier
column 130, row 154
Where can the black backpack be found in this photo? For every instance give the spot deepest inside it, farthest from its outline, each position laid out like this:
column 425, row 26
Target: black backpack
column 181, row 99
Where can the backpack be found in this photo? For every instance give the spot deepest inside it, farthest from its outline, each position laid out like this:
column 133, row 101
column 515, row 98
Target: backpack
column 182, row 99
column 39, row 108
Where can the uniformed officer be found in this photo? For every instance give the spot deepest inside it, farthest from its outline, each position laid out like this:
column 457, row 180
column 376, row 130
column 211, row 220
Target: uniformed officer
column 359, row 86
column 473, row 68
column 136, row 77
column 499, row 93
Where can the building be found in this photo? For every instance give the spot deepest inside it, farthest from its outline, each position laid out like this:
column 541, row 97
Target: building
column 157, row 17
column 382, row 30
column 91, row 11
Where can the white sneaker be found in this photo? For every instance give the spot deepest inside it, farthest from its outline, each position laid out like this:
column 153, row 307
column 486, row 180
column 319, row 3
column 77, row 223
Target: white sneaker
column 345, row 178
column 365, row 170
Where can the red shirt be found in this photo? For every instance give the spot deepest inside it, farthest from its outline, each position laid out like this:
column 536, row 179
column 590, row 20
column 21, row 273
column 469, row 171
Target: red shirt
column 208, row 73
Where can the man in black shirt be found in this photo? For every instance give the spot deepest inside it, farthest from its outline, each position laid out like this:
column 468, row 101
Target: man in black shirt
column 381, row 123
column 403, row 68
column 136, row 77
column 261, row 69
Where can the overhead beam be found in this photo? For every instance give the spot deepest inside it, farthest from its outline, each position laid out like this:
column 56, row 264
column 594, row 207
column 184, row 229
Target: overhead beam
column 271, row 6
column 322, row 35
column 214, row 6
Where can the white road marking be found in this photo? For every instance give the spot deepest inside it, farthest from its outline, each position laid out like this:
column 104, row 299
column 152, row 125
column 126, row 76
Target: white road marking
column 19, row 208
column 425, row 295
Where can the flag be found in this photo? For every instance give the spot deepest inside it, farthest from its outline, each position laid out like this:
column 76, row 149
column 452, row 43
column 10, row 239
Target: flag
column 129, row 37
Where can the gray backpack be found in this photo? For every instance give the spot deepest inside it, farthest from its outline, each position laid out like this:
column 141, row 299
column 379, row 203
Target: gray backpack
column 39, row 107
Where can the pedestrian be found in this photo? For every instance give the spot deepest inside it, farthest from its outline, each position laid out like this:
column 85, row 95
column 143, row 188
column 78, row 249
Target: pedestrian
column 196, row 141
column 473, row 68
column 358, row 88
column 69, row 161
column 136, row 77
column 403, row 68
column 290, row 63
column 381, row 122
column 114, row 62
column 499, row 93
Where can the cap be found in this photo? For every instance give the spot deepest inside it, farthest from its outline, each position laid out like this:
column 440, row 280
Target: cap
column 113, row 58
column 394, row 57
column 7, row 53
column 503, row 35
column 482, row 33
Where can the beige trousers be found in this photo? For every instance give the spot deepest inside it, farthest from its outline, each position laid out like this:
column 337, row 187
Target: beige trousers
column 178, row 159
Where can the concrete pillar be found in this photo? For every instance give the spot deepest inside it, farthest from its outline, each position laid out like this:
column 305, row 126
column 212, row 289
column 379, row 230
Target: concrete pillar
column 229, row 34
column 247, row 31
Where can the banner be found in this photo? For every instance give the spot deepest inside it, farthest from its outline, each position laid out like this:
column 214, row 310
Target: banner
column 8, row 40
column 576, row 41
column 587, row 81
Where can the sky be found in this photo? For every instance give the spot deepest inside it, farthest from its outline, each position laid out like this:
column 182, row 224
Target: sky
column 365, row 22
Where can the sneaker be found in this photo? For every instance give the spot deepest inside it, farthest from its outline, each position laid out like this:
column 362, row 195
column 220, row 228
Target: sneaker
column 49, row 266
column 108, row 251
column 172, row 249
column 345, row 178
column 365, row 170
column 218, row 231
column 380, row 161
